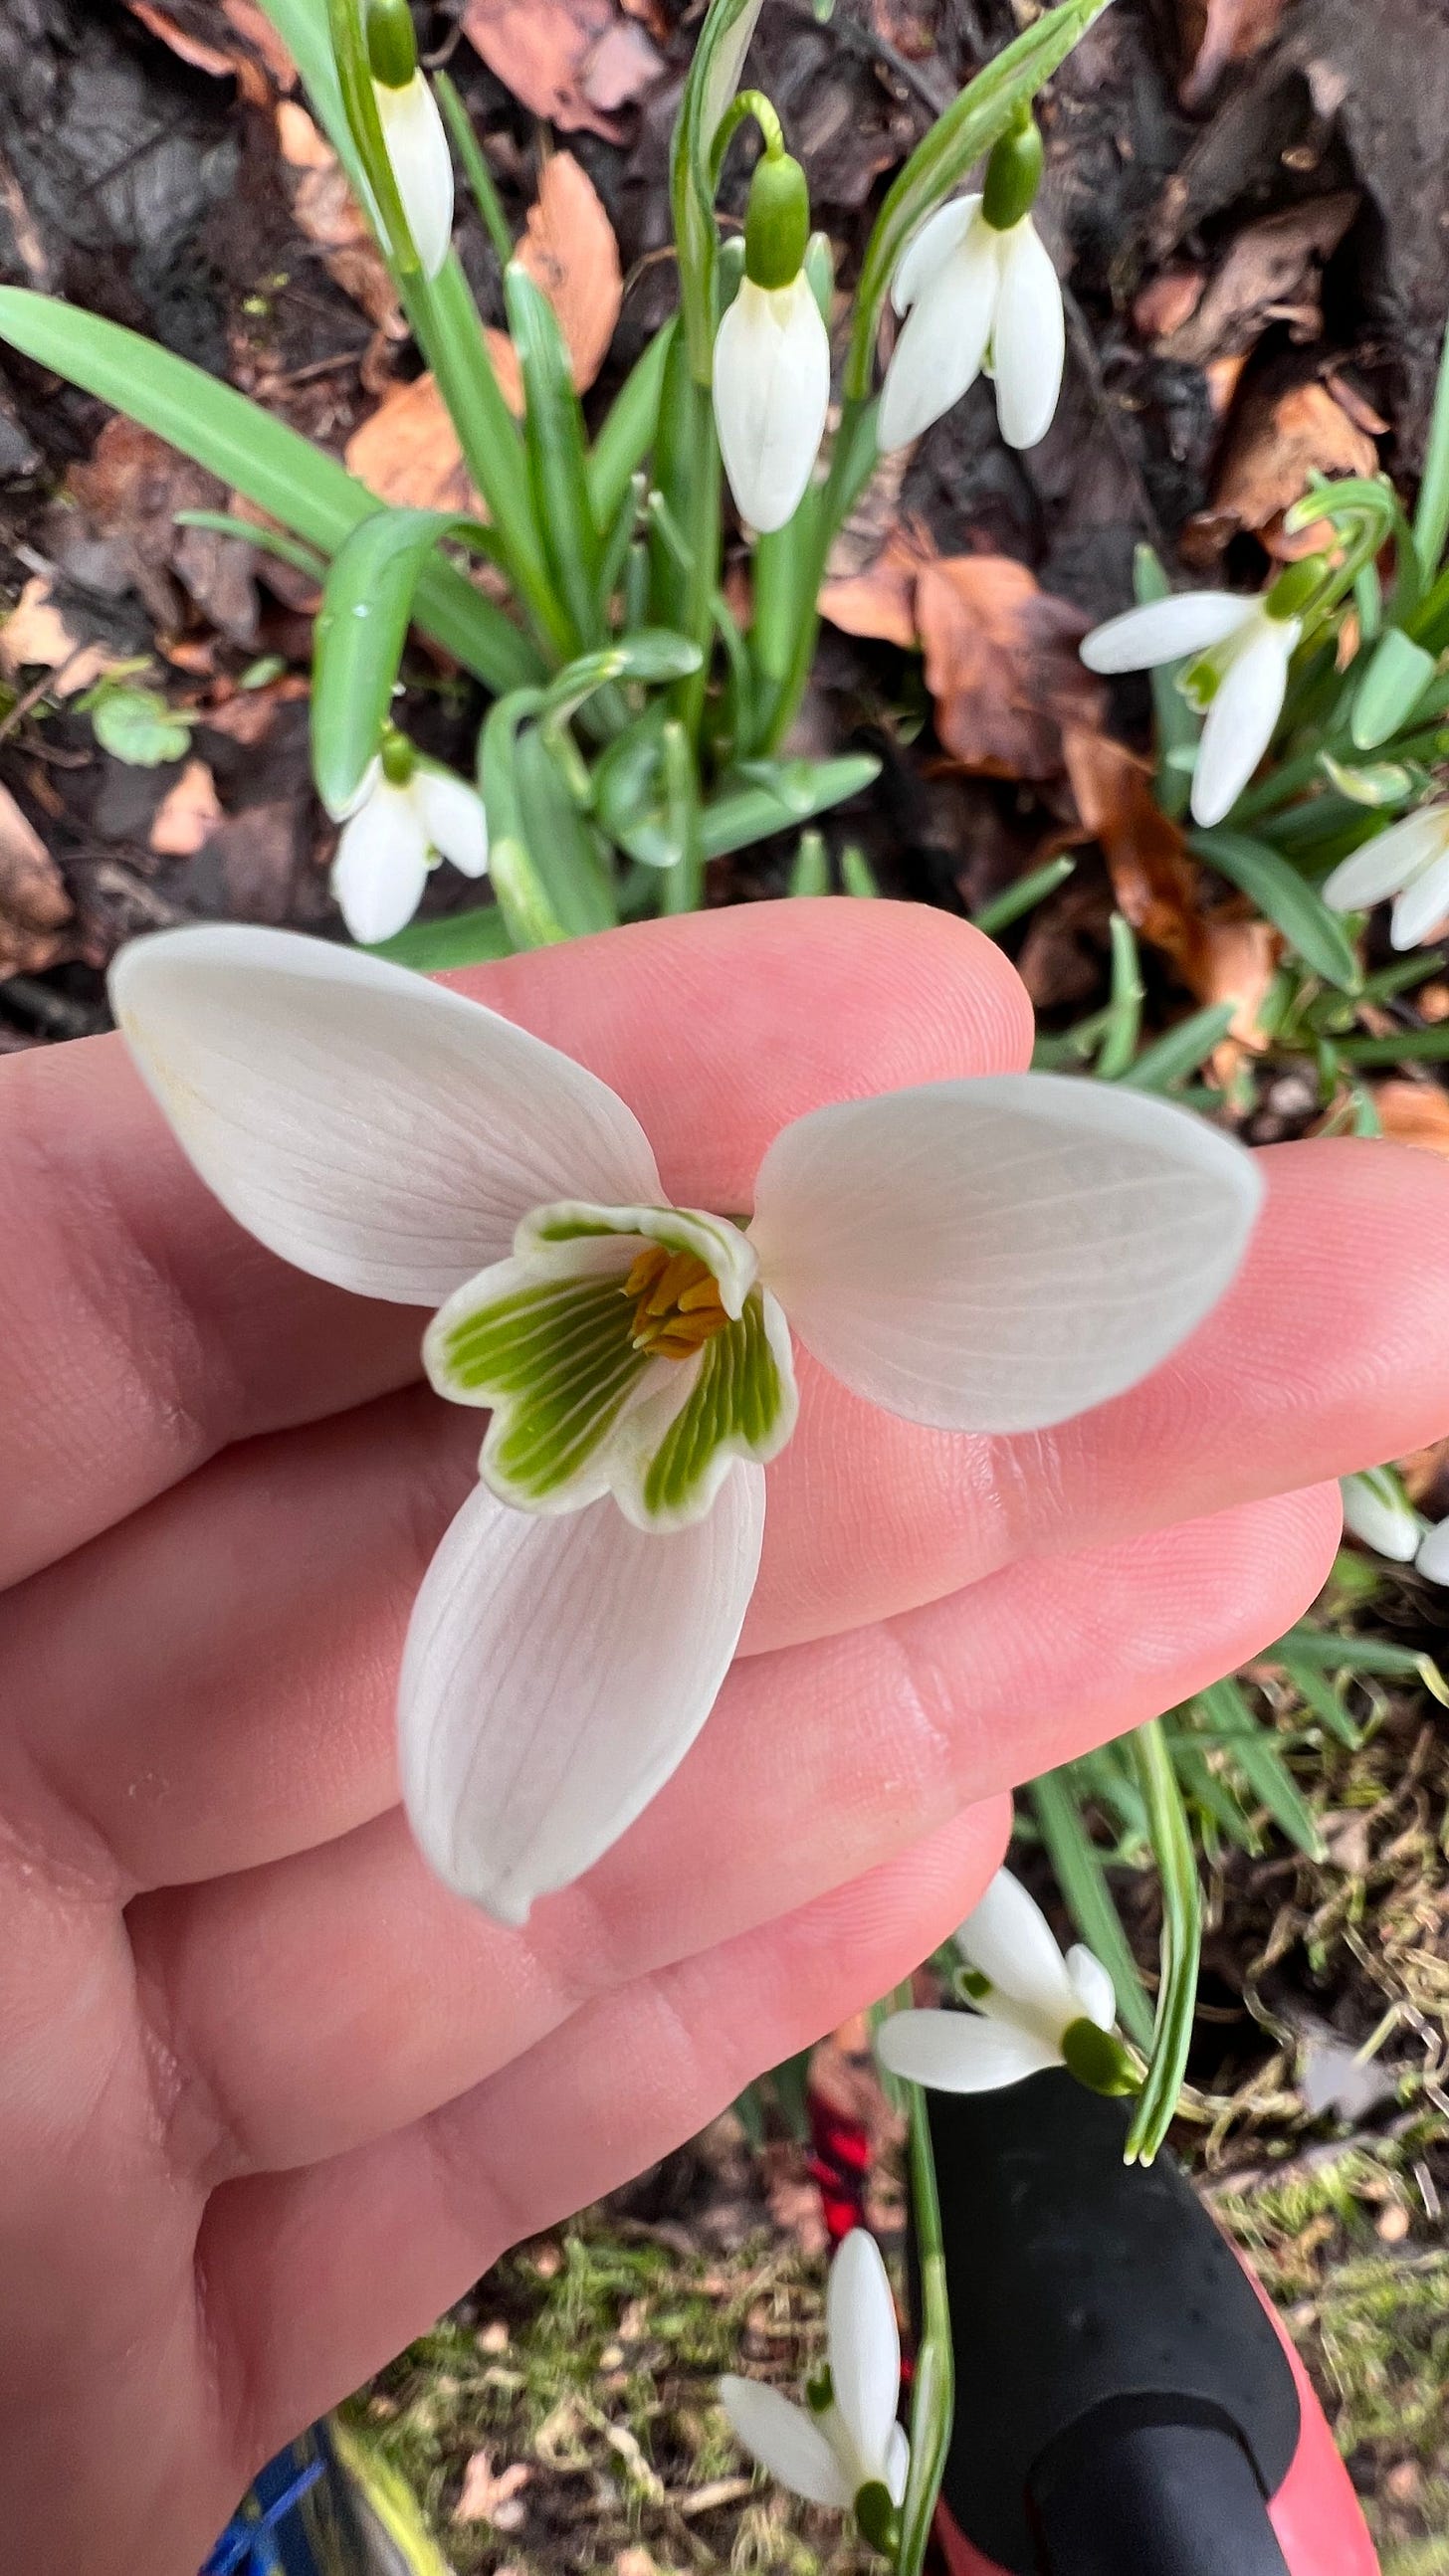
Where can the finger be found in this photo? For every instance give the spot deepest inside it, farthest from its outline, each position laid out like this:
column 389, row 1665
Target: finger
column 144, row 1331
column 819, row 1763
column 1309, row 1370
column 298, row 2321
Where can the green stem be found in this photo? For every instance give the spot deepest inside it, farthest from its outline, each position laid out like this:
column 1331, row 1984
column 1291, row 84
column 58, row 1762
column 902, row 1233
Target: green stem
column 745, row 104
column 933, row 2389
column 1431, row 518
column 475, row 169
column 1181, row 1942
column 851, row 464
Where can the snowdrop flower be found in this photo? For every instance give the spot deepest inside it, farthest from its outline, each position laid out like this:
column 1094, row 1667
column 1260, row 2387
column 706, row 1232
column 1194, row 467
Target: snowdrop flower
column 1033, row 2008
column 1240, row 650
column 1432, row 1560
column 989, row 1255
column 1377, row 1511
column 846, row 2448
column 1409, row 861
column 772, row 355
column 405, row 816
column 413, row 132
column 978, row 289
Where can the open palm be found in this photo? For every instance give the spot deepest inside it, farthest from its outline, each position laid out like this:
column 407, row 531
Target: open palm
column 271, row 2096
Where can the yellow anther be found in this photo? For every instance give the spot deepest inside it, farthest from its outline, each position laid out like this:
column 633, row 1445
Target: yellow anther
column 676, row 1302
column 682, row 1270
column 646, row 1270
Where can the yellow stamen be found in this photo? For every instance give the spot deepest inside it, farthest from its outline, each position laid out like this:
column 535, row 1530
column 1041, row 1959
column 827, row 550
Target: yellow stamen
column 646, row 1270
column 676, row 1303
column 682, row 1270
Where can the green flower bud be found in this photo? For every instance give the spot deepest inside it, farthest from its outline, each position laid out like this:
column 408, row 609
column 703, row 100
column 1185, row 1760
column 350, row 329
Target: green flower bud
column 1013, row 176
column 1097, row 2058
column 879, row 2521
column 399, row 760
column 392, row 47
column 1293, row 590
column 777, row 221
column 820, row 2390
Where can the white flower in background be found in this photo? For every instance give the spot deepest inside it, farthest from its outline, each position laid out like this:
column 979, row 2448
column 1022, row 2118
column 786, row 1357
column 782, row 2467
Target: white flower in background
column 772, row 356
column 398, row 827
column 1240, row 650
column 1409, row 861
column 413, row 132
column 974, row 296
column 990, row 1255
column 1032, row 2008
column 1432, row 1560
column 850, row 2442
column 1377, row 1510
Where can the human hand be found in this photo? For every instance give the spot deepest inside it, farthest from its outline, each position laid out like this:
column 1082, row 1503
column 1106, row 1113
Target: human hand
column 273, row 2097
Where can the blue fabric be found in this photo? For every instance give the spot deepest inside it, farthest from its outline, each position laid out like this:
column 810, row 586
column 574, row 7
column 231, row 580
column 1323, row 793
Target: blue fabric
column 258, row 2541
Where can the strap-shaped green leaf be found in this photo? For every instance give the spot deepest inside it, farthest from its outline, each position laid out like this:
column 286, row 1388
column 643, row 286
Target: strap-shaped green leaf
column 247, row 448
column 557, row 451
column 1398, row 675
column 437, row 947
column 367, row 607
column 629, row 431
column 779, row 796
column 1288, row 901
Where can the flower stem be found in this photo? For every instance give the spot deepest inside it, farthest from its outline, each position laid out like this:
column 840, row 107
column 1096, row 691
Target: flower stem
column 1181, row 1941
column 933, row 2391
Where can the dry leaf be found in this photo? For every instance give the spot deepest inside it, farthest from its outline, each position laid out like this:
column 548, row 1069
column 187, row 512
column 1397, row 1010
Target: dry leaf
column 1165, row 303
column 187, row 814
column 1236, row 961
column 1274, row 450
column 34, row 905
column 256, row 30
column 35, row 636
column 1232, row 32
column 408, row 452
column 1002, row 665
column 327, row 214
column 569, row 250
column 259, row 62
column 187, row 47
column 557, row 57
column 1154, row 878
column 131, row 490
column 880, row 599
column 1414, row 1113
column 1270, row 274
column 487, row 2496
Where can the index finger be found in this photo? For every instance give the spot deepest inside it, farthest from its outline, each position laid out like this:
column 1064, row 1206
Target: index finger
column 144, row 1331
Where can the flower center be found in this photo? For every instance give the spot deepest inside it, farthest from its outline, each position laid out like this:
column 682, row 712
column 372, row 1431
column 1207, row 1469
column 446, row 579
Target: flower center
column 676, row 1303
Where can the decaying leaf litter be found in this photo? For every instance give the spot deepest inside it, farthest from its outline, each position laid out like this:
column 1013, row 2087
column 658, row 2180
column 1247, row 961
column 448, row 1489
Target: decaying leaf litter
column 1250, row 207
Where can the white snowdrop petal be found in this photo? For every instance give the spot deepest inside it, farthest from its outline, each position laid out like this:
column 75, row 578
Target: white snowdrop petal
column 1239, row 723
column 943, row 341
column 1092, row 1985
column 957, row 2052
column 786, row 2441
column 1007, row 1936
column 1165, row 630
column 1029, row 340
column 1432, row 1560
column 864, row 2347
column 422, row 165
column 365, row 1124
column 940, row 234
column 998, row 1254
column 771, row 395
column 555, row 1675
column 454, row 819
column 898, row 2464
column 1375, row 1513
column 1422, row 905
column 381, row 865
column 1385, row 865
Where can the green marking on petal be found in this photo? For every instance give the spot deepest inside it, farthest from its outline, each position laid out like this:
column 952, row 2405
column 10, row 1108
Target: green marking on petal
column 737, row 1401
column 557, row 1363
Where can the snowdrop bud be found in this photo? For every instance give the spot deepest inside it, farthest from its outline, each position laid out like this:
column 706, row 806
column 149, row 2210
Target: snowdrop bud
column 1377, row 1511
column 1013, row 175
column 413, row 132
column 845, row 2447
column 1432, row 1560
column 772, row 355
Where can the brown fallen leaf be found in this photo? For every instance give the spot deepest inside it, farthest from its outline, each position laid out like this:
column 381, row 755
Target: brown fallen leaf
column 186, row 815
column 251, row 53
column 1166, row 302
column 569, row 250
column 1414, row 1113
column 489, row 2494
column 131, row 490
column 880, row 599
column 1236, row 962
column 36, row 637
column 408, row 452
column 1232, row 32
column 1270, row 274
column 1002, row 665
column 327, row 214
column 34, row 905
column 1270, row 455
column 1155, row 879
column 557, row 58
column 256, row 30
column 187, row 47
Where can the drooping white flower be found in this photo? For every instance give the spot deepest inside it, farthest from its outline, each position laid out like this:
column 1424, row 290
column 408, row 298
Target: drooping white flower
column 395, row 832
column 1377, row 1510
column 1432, row 1560
column 831, row 2452
column 422, row 165
column 771, row 396
column 1240, row 650
column 1409, row 861
column 989, row 1255
column 1032, row 2007
column 974, row 296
